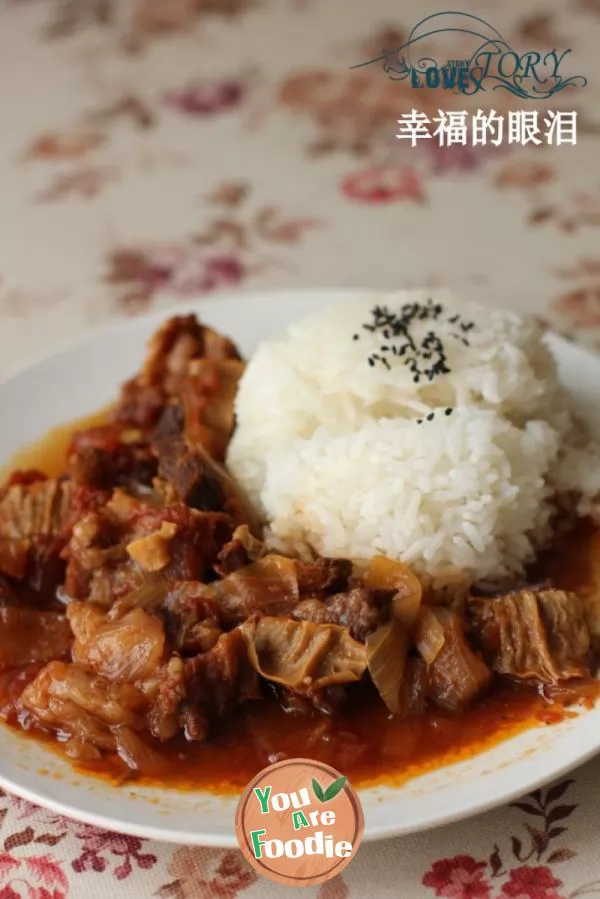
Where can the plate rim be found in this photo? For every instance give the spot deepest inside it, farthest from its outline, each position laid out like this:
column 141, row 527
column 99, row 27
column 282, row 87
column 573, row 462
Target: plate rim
column 162, row 313
column 222, row 841
column 196, row 303
column 146, row 322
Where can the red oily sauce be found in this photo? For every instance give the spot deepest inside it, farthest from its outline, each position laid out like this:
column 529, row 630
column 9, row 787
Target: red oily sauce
column 362, row 739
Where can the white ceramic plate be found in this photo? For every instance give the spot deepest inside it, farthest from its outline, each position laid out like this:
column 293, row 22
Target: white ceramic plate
column 81, row 379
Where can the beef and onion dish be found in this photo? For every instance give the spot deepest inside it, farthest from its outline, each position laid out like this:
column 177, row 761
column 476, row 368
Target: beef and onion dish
column 152, row 629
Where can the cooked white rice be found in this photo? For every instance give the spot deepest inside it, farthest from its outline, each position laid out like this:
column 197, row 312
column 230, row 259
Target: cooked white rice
column 330, row 449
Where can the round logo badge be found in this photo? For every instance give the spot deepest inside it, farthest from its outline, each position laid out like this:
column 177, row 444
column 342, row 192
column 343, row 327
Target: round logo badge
column 299, row 822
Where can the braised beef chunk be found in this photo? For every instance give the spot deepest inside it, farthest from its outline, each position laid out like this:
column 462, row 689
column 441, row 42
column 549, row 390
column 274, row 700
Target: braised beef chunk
column 233, row 556
column 93, row 554
column 208, row 394
column 111, row 552
column 324, row 576
column 189, row 616
column 139, row 405
column 165, row 692
column 221, row 678
column 111, row 455
column 195, row 545
column 192, row 620
column 328, row 701
column 568, row 634
column 193, row 723
column 414, row 688
column 192, row 477
column 170, row 425
column 38, row 509
column 357, row 610
column 23, row 477
column 35, row 519
column 196, row 478
column 240, row 551
column 533, row 635
column 457, row 675
column 313, row 610
column 180, row 340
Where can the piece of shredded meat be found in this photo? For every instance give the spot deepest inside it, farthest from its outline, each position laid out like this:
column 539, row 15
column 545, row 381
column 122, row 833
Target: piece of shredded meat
column 208, row 394
column 241, row 550
column 35, row 521
column 165, row 692
column 537, row 635
column 192, row 620
column 181, row 340
column 193, row 480
column 357, row 609
column 324, row 576
column 223, row 677
column 195, row 477
column 37, row 515
column 112, row 552
column 38, row 509
column 458, row 675
column 111, row 455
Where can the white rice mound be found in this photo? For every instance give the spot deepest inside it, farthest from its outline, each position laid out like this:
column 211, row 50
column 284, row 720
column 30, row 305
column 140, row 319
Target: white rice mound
column 330, row 450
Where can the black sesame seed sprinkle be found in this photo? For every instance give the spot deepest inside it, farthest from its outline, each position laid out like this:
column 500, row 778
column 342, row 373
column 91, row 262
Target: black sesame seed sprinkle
column 395, row 327
column 431, row 415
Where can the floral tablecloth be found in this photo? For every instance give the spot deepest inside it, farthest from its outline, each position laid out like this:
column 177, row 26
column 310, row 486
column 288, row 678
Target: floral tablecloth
column 159, row 149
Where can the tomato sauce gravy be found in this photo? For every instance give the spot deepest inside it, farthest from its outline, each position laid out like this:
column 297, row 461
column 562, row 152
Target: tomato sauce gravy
column 362, row 740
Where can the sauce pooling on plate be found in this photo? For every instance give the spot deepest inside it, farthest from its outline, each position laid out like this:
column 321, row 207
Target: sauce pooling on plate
column 148, row 633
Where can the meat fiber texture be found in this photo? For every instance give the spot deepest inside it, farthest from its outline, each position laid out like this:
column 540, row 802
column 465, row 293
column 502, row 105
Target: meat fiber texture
column 349, row 445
